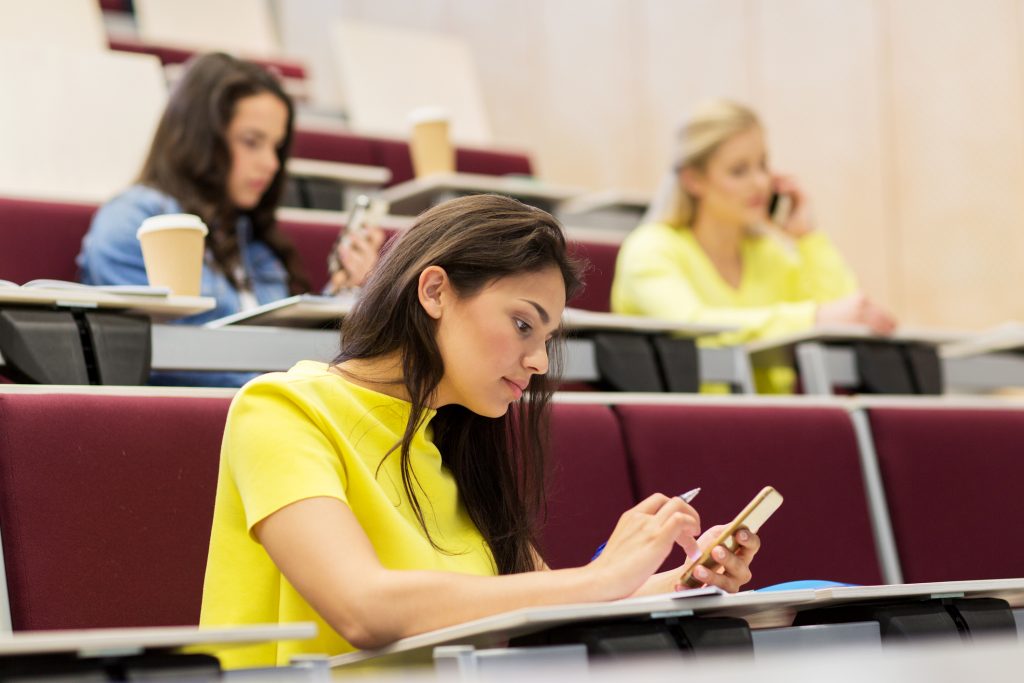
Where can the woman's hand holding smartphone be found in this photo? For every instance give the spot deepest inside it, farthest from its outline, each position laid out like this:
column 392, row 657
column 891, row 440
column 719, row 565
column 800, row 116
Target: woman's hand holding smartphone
column 788, row 207
column 726, row 550
column 356, row 249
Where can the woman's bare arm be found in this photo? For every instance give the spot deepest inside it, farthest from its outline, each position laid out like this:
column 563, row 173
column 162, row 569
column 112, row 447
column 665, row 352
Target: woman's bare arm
column 322, row 550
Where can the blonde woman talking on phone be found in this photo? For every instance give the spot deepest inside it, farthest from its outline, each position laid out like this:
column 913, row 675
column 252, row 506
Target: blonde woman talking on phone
column 702, row 255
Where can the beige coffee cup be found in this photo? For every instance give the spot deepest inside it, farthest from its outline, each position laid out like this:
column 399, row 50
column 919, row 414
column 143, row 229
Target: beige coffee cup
column 173, row 246
column 430, row 146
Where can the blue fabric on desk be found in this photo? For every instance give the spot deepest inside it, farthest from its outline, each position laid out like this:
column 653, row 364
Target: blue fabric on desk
column 812, row 584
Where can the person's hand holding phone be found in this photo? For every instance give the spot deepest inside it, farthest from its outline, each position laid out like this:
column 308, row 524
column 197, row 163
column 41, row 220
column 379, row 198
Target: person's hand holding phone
column 733, row 571
column 798, row 220
column 642, row 539
column 357, row 253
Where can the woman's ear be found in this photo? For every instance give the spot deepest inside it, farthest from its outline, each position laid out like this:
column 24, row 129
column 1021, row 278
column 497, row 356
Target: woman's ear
column 433, row 290
column 692, row 181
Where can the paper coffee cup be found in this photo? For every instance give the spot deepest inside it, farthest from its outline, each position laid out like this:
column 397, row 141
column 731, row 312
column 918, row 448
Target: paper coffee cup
column 430, row 146
column 173, row 246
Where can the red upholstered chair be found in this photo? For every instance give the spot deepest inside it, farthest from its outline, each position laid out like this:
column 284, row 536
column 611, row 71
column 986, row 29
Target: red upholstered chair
column 597, row 294
column 105, row 507
column 810, row 455
column 313, row 241
column 952, row 480
column 40, row 239
column 590, row 485
column 332, row 146
column 170, row 54
column 492, row 162
column 394, row 155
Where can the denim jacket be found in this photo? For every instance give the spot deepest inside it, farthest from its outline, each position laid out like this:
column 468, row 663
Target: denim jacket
column 111, row 255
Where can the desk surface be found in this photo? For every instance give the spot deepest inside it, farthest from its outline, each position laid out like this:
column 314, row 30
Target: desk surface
column 761, row 610
column 473, row 183
column 98, row 641
column 772, row 609
column 156, row 307
column 579, row 319
column 301, row 310
column 353, row 174
column 607, row 200
column 308, row 310
column 841, row 333
column 1006, row 337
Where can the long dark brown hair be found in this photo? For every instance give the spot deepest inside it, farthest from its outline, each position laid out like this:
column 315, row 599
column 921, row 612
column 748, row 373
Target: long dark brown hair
column 498, row 463
column 189, row 159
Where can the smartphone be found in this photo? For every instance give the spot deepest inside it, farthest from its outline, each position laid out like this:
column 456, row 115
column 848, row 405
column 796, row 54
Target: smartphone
column 779, row 208
column 751, row 517
column 356, row 223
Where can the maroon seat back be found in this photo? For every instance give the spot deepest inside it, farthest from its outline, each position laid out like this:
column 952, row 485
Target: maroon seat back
column 171, row 54
column 105, row 507
column 394, row 155
column 331, row 146
column 952, row 482
column 313, row 242
column 492, row 162
column 810, row 455
column 40, row 239
column 590, row 485
column 597, row 293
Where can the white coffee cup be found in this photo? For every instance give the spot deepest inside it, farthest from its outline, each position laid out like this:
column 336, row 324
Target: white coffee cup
column 173, row 246
column 430, row 145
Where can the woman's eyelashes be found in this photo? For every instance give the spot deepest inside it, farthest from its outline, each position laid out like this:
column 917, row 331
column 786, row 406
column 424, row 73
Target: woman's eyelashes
column 522, row 326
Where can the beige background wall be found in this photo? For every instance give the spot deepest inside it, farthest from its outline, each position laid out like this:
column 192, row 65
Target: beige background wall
column 903, row 118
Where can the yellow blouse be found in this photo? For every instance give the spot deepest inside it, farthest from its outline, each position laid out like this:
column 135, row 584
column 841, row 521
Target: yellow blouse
column 663, row 272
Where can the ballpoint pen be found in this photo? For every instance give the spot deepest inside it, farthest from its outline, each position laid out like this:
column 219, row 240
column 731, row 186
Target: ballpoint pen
column 685, row 497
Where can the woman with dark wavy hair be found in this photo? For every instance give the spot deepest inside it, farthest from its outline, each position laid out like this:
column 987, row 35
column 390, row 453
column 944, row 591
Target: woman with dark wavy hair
column 393, row 491
column 219, row 152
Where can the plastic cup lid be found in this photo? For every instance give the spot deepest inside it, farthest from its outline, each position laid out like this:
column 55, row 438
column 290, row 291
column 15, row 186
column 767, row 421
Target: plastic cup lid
column 168, row 221
column 428, row 114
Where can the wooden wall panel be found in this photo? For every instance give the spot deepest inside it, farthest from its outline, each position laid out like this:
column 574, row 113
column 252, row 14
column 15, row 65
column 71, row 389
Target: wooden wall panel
column 817, row 70
column 958, row 144
column 688, row 51
column 508, row 44
column 589, row 93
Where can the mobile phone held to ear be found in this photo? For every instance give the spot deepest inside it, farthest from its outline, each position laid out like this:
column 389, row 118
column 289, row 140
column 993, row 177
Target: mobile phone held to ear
column 779, row 208
column 751, row 517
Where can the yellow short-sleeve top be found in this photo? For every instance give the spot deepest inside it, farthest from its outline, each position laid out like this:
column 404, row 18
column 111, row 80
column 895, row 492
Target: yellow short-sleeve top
column 308, row 433
column 663, row 272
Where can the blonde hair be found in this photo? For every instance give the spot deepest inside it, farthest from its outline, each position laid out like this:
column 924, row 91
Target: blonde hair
column 711, row 124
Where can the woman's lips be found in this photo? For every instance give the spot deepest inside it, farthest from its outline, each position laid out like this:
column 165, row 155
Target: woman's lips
column 517, row 390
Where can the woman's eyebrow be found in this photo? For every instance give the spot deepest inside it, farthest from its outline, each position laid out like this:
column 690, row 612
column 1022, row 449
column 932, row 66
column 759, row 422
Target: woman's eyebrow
column 544, row 317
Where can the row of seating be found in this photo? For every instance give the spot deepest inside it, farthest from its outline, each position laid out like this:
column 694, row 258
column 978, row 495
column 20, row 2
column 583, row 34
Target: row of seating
column 106, row 496
column 40, row 239
column 393, row 154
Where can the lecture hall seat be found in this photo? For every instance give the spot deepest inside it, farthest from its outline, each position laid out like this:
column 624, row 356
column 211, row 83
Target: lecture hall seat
column 822, row 530
column 106, row 503
column 952, row 479
column 40, row 239
column 597, row 295
column 590, row 484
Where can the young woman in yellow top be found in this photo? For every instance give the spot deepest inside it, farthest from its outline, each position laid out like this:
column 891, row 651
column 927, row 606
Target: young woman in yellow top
column 702, row 256
column 391, row 492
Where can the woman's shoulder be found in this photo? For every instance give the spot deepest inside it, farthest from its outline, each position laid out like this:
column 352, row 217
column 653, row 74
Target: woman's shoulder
column 132, row 206
column 310, row 392
column 657, row 238
column 308, row 383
